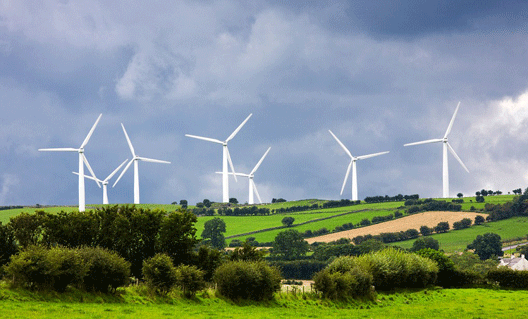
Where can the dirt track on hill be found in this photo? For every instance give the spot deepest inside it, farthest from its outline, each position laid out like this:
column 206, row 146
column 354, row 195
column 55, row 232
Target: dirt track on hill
column 429, row 219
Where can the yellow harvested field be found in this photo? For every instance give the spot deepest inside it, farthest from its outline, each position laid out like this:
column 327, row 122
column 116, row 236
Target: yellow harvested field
column 429, row 219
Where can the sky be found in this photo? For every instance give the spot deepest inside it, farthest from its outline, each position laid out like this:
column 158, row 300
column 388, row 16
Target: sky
column 378, row 73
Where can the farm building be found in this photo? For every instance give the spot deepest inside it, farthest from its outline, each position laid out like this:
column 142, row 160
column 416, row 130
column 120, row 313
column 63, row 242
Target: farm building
column 519, row 263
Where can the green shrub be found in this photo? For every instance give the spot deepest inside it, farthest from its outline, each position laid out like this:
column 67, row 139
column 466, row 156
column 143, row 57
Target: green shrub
column 190, row 279
column 8, row 246
column 30, row 268
column 425, row 242
column 106, row 269
column 446, row 267
column 355, row 282
column 299, row 269
column 40, row 268
column 247, row 280
column 66, row 267
column 508, row 278
column 159, row 273
column 391, row 268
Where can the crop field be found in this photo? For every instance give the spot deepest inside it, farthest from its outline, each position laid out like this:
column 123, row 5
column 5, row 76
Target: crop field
column 431, row 303
column 458, row 240
column 429, row 219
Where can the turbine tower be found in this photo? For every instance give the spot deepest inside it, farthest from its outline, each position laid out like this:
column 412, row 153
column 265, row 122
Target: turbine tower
column 104, row 182
column 353, row 160
column 250, row 177
column 446, row 146
column 225, row 158
column 135, row 159
column 82, row 161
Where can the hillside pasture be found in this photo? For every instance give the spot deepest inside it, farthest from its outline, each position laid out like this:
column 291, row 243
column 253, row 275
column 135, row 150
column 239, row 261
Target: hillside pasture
column 459, row 239
column 415, row 221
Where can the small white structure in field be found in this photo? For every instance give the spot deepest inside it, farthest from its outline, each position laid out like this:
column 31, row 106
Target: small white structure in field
column 515, row 263
column 446, row 146
column 352, row 165
column 82, row 162
column 135, row 159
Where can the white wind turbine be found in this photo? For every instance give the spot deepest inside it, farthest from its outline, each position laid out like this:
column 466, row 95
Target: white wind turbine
column 446, row 146
column 225, row 158
column 353, row 160
column 82, row 161
column 104, row 181
column 250, row 176
column 135, row 159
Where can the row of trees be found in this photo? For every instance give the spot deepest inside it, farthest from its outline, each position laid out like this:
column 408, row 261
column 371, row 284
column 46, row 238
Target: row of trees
column 387, row 198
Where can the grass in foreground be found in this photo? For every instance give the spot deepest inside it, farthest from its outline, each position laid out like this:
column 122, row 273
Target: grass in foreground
column 134, row 302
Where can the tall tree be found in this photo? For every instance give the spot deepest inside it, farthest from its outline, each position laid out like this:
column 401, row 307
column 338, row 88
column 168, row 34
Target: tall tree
column 213, row 230
column 289, row 244
column 487, row 245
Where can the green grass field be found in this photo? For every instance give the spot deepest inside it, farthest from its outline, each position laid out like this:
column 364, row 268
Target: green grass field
column 129, row 303
column 457, row 240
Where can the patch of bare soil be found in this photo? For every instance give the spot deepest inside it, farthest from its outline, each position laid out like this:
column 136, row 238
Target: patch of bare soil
column 429, row 219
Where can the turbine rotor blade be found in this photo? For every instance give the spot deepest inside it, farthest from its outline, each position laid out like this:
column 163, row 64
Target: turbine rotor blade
column 89, row 177
column 123, row 172
column 128, row 140
column 205, row 139
column 452, row 121
column 238, row 129
column 342, row 145
column 231, row 164
column 115, row 171
column 456, row 156
column 145, row 159
column 237, row 174
column 90, row 169
column 346, row 177
column 256, row 191
column 63, row 149
column 371, row 155
column 91, row 132
column 260, row 162
column 435, row 140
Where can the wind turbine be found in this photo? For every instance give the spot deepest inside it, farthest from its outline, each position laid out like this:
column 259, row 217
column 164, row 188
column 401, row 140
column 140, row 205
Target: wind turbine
column 250, row 176
column 225, row 158
column 135, row 159
column 82, row 161
column 446, row 146
column 353, row 160
column 104, row 182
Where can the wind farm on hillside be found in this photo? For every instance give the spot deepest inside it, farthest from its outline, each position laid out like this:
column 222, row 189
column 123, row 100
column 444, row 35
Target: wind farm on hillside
column 227, row 160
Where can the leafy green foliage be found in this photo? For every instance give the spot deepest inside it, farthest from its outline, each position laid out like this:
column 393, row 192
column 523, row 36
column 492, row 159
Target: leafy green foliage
column 159, row 273
column 299, row 269
column 289, row 244
column 446, row 267
column 213, row 230
column 253, row 280
column 246, row 253
column 425, row 242
column 39, row 268
column 508, row 278
column 8, row 245
column 190, row 279
column 288, row 221
column 487, row 245
column 442, row 227
column 177, row 236
column 106, row 269
column 426, row 231
column 354, row 282
column 208, row 259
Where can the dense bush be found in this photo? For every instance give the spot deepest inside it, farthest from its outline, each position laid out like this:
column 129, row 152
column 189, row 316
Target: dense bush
column 159, row 273
column 247, row 280
column 325, row 252
column 354, row 282
column 425, row 242
column 40, row 268
column 106, row 269
column 487, row 245
column 442, row 227
column 299, row 269
column 508, row 278
column 479, row 220
column 464, row 223
column 190, row 279
column 8, row 245
column 446, row 268
column 426, row 231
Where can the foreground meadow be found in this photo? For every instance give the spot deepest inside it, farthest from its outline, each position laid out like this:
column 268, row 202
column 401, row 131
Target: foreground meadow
column 134, row 302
